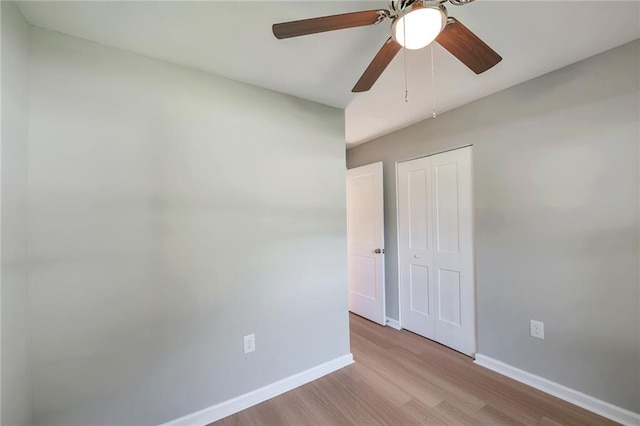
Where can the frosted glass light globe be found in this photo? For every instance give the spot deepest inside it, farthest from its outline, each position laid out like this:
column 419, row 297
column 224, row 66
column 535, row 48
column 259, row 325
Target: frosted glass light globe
column 421, row 26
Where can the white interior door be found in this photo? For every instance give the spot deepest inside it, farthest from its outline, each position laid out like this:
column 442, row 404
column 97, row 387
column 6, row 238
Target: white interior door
column 437, row 283
column 365, row 240
column 415, row 246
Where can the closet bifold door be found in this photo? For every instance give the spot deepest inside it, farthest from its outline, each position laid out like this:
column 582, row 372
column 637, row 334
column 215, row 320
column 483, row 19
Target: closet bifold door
column 454, row 283
column 416, row 269
column 437, row 283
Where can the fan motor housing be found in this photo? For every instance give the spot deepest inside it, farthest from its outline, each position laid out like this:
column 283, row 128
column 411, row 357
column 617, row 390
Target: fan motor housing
column 398, row 6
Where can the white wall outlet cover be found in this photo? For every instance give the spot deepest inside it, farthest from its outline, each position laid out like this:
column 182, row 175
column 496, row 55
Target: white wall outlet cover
column 249, row 343
column 537, row 329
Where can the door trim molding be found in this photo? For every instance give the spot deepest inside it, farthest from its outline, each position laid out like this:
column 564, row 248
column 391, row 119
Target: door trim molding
column 249, row 399
column 434, row 153
column 588, row 402
column 398, row 244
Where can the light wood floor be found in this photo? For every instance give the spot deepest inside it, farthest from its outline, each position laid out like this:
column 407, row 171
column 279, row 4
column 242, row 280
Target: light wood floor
column 400, row 378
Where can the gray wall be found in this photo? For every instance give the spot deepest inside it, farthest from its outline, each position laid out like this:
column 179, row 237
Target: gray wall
column 15, row 403
column 171, row 213
column 556, row 211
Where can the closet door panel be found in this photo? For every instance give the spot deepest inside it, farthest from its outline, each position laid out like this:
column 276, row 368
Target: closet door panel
column 454, row 289
column 416, row 242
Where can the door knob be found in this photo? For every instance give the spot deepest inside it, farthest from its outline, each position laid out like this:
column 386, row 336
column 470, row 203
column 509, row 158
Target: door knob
column 417, row 256
column 377, row 251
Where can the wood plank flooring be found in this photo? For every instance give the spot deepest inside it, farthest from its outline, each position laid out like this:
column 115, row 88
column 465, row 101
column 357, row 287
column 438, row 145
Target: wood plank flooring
column 400, row 378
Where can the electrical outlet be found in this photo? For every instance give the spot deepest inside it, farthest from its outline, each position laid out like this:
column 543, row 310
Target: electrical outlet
column 249, row 343
column 537, row 329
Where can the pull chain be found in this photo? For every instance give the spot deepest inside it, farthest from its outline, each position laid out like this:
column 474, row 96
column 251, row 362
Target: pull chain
column 433, row 83
column 406, row 84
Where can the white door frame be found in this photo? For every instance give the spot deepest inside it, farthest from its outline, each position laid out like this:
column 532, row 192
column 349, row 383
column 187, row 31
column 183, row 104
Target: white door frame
column 473, row 230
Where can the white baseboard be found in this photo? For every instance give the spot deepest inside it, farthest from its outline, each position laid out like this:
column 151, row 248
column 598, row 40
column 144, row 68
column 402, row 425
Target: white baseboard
column 393, row 323
column 234, row 405
column 605, row 409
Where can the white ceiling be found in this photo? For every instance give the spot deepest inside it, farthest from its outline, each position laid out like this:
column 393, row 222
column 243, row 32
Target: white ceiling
column 233, row 39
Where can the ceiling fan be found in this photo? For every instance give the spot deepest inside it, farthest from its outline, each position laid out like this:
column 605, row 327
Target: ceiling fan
column 414, row 25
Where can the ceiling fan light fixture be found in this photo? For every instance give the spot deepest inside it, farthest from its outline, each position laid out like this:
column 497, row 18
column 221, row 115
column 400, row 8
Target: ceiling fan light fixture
column 421, row 22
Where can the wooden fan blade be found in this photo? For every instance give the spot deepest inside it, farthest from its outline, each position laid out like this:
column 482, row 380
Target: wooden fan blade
column 327, row 23
column 375, row 69
column 467, row 47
